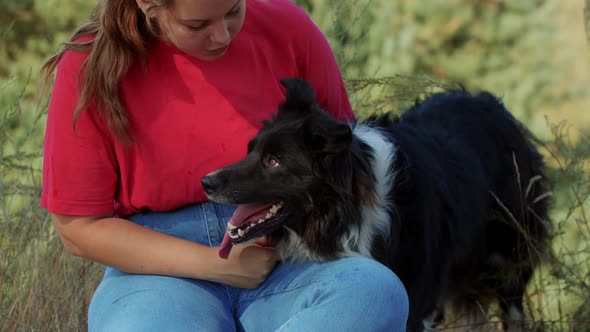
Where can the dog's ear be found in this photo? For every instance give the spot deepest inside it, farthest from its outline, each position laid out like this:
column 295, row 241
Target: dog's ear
column 299, row 97
column 327, row 135
column 322, row 132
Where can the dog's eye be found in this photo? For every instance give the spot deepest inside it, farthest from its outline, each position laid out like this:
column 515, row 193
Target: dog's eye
column 271, row 162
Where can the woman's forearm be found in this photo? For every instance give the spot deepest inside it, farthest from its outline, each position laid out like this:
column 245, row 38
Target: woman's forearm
column 132, row 248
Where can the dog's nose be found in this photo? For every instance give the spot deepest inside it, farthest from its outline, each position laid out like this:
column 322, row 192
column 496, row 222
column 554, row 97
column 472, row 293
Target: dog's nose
column 209, row 184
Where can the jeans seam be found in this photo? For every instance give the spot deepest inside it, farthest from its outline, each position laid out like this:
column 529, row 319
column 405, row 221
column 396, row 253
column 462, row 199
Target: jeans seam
column 206, row 220
column 289, row 321
column 275, row 292
column 296, row 315
column 230, row 299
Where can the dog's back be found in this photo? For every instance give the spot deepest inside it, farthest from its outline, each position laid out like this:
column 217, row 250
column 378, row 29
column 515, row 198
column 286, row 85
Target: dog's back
column 469, row 205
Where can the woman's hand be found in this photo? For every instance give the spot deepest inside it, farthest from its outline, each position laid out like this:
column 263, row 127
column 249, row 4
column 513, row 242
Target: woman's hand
column 248, row 265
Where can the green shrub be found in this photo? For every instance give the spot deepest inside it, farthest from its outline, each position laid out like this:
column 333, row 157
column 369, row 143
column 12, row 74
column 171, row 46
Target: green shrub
column 501, row 46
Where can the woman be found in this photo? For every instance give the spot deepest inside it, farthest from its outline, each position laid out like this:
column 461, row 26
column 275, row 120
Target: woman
column 149, row 96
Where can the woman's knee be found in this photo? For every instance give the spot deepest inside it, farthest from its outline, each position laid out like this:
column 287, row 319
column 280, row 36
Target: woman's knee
column 370, row 283
column 374, row 277
column 157, row 303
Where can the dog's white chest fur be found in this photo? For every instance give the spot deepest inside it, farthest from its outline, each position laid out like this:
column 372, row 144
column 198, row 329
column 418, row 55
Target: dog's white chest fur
column 375, row 218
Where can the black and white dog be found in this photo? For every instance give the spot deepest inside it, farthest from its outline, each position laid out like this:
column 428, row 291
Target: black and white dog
column 450, row 195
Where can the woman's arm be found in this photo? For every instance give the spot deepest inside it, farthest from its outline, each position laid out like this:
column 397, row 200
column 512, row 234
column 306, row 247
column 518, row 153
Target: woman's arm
column 318, row 66
column 80, row 177
column 132, row 248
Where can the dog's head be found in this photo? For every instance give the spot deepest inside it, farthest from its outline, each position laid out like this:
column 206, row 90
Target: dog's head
column 290, row 180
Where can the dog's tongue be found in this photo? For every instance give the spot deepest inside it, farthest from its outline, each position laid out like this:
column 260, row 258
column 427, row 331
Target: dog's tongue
column 242, row 214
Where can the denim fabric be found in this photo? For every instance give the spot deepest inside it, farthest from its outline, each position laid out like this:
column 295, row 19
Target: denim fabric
column 349, row 294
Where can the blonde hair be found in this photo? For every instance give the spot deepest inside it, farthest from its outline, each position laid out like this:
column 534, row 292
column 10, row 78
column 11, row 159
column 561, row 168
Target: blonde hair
column 121, row 33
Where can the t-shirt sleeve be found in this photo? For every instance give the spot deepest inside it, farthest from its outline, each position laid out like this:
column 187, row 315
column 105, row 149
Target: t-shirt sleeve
column 79, row 169
column 319, row 67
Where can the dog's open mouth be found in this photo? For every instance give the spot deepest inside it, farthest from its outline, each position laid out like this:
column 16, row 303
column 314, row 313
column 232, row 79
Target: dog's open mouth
column 251, row 221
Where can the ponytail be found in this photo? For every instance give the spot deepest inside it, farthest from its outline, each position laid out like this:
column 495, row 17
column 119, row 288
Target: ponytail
column 121, row 35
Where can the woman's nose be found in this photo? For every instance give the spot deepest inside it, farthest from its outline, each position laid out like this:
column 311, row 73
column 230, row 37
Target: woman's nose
column 220, row 33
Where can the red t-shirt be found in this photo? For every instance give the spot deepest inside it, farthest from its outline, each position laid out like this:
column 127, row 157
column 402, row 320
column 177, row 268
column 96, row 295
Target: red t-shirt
column 189, row 117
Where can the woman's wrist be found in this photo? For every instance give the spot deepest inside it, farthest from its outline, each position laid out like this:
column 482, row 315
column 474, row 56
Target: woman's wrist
column 207, row 264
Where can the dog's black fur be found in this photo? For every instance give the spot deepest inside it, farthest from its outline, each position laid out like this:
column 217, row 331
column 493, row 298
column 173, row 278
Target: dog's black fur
column 459, row 207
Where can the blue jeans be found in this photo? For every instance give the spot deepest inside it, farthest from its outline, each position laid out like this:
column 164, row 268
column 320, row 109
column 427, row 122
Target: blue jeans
column 349, row 294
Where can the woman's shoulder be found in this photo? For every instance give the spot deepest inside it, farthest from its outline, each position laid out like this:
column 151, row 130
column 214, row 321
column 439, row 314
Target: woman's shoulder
column 285, row 7
column 277, row 14
column 73, row 59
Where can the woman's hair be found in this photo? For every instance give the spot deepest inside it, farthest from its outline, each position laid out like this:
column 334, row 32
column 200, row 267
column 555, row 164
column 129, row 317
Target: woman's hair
column 120, row 33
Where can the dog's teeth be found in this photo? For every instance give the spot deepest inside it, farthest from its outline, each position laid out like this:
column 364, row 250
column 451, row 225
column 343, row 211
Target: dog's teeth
column 230, row 226
column 276, row 207
column 241, row 232
column 268, row 215
column 260, row 221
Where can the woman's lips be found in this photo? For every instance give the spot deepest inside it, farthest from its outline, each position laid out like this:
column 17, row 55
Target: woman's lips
column 218, row 51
